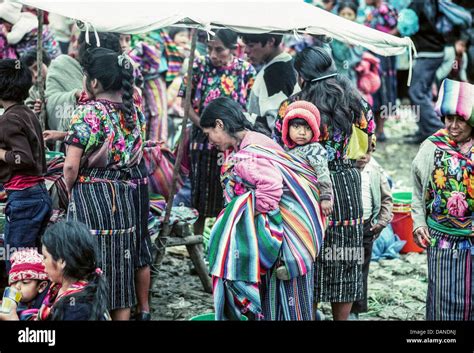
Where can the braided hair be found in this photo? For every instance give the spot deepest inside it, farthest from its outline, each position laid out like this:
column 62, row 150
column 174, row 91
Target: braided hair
column 115, row 73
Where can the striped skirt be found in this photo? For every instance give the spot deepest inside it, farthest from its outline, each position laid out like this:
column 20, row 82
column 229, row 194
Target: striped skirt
column 338, row 275
column 287, row 300
column 271, row 300
column 105, row 201
column 450, row 278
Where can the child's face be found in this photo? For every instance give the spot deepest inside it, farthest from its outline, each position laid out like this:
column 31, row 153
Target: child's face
column 52, row 268
column 30, row 288
column 348, row 14
column 300, row 134
column 182, row 38
column 34, row 71
column 126, row 42
column 362, row 162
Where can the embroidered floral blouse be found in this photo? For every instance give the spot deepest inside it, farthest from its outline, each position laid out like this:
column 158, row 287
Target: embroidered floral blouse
column 450, row 192
column 99, row 128
column 210, row 82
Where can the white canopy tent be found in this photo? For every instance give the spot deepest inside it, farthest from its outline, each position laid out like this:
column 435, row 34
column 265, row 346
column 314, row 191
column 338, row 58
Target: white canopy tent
column 282, row 16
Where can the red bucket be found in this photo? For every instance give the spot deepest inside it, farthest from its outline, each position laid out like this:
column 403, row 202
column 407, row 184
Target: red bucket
column 402, row 225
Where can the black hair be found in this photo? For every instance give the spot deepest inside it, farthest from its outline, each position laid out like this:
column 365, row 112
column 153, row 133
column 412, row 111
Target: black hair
column 227, row 37
column 350, row 4
column 261, row 38
column 15, row 80
column 29, row 57
column 231, row 114
column 336, row 98
column 173, row 31
column 73, row 243
column 108, row 40
column 298, row 122
column 103, row 65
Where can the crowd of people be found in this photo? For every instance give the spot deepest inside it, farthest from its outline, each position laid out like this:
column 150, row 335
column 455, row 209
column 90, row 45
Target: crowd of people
column 278, row 150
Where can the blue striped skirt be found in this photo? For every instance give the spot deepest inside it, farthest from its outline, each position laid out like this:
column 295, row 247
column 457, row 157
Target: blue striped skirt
column 450, row 278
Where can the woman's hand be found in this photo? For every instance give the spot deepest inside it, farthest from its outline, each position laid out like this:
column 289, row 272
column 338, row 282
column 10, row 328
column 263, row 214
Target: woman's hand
column 326, row 207
column 376, row 229
column 53, row 135
column 421, row 236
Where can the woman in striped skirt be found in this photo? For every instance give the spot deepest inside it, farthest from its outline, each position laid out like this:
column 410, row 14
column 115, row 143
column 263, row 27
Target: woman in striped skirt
column 339, row 267
column 102, row 170
column 264, row 243
column 443, row 205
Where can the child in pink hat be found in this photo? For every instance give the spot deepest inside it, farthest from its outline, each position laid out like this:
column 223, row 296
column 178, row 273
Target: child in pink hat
column 300, row 134
column 28, row 276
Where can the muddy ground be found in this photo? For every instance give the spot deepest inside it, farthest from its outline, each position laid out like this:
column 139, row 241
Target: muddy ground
column 397, row 290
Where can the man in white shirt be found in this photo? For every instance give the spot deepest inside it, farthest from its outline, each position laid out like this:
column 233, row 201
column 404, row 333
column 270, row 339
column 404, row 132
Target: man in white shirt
column 276, row 80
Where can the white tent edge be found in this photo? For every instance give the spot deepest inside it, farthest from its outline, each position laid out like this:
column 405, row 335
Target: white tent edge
column 244, row 16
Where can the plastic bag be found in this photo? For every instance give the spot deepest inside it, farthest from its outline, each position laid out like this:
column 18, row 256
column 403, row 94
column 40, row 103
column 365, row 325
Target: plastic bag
column 387, row 246
column 358, row 143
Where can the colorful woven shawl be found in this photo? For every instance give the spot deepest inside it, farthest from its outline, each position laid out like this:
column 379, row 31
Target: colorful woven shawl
column 442, row 141
column 53, row 297
column 242, row 244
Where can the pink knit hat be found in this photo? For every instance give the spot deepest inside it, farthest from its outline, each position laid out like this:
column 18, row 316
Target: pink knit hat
column 301, row 110
column 27, row 264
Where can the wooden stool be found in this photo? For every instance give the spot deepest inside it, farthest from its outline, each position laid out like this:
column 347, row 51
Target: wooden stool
column 182, row 234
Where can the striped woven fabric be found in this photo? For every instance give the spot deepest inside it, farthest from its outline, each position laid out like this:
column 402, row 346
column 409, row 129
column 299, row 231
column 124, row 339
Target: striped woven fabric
column 456, row 98
column 450, row 278
column 55, row 183
column 232, row 298
column 160, row 162
column 156, row 109
column 442, row 140
column 154, row 90
column 241, row 243
column 345, row 223
column 173, row 56
column 244, row 248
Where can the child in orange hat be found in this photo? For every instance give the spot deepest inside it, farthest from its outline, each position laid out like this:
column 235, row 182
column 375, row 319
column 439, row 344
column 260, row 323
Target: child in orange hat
column 300, row 134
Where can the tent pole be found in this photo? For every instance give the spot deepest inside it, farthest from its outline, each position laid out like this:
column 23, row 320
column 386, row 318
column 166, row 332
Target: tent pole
column 160, row 241
column 39, row 64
